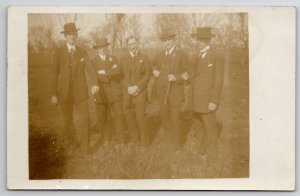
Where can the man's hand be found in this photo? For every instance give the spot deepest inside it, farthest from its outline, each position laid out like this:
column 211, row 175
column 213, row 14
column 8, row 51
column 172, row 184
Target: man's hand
column 101, row 72
column 185, row 76
column 212, row 106
column 95, row 89
column 171, row 78
column 54, row 100
column 133, row 90
column 156, row 73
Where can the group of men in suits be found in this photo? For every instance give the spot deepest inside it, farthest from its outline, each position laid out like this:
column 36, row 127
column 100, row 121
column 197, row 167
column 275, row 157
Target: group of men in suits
column 120, row 88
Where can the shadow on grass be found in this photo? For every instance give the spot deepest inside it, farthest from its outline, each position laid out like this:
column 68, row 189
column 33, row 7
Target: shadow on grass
column 46, row 154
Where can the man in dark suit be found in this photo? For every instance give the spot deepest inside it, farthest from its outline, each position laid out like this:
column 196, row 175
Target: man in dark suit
column 69, row 86
column 206, row 75
column 109, row 78
column 137, row 71
column 168, row 69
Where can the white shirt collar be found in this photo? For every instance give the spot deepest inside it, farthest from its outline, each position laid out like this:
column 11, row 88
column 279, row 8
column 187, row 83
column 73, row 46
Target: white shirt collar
column 133, row 55
column 204, row 51
column 170, row 51
column 70, row 47
column 103, row 57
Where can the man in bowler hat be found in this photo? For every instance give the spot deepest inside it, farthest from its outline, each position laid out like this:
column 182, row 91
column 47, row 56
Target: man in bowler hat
column 110, row 98
column 137, row 71
column 69, row 86
column 206, row 75
column 168, row 69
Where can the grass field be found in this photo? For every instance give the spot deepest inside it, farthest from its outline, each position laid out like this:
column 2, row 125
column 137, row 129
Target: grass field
column 50, row 156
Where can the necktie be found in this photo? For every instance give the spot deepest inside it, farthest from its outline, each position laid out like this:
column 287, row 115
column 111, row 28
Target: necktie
column 72, row 52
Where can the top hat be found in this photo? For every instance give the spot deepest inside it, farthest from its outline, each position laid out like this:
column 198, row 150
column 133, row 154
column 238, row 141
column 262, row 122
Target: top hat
column 167, row 35
column 203, row 33
column 69, row 28
column 101, row 42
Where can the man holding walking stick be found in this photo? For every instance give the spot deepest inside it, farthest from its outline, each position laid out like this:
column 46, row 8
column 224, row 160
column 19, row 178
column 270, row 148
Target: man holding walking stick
column 168, row 69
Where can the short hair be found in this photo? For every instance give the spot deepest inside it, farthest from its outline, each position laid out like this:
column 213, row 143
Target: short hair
column 131, row 37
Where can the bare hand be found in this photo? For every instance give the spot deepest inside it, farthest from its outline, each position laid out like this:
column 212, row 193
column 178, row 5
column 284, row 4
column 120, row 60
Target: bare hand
column 171, row 78
column 185, row 76
column 133, row 90
column 54, row 100
column 95, row 89
column 101, row 72
column 130, row 90
column 156, row 73
column 212, row 106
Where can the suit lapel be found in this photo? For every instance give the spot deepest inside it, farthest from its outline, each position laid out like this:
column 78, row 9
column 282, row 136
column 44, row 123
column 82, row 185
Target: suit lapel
column 77, row 54
column 66, row 56
column 203, row 62
column 199, row 64
column 106, row 64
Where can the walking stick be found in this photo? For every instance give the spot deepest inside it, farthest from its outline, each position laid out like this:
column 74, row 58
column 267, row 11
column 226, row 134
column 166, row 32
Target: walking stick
column 169, row 84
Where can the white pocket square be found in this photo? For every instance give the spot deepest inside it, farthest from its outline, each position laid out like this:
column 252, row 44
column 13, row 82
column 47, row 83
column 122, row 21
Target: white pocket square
column 209, row 65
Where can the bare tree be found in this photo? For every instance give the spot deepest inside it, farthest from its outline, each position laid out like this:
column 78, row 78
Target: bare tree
column 40, row 39
column 75, row 18
column 175, row 23
column 120, row 26
column 243, row 33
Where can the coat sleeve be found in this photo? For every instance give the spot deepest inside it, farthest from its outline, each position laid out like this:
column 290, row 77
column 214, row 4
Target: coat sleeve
column 155, row 64
column 90, row 71
column 219, row 79
column 101, row 78
column 55, row 72
column 184, row 61
column 191, row 69
column 142, row 83
column 125, row 82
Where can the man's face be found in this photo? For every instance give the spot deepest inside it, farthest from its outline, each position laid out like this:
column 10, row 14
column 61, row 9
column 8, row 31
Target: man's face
column 132, row 45
column 71, row 38
column 168, row 43
column 102, row 50
column 202, row 43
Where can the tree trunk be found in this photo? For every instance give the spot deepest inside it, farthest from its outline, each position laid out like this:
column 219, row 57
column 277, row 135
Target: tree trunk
column 226, row 64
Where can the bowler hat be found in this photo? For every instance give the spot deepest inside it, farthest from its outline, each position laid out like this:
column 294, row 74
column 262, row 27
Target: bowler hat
column 69, row 28
column 101, row 42
column 203, row 33
column 167, row 35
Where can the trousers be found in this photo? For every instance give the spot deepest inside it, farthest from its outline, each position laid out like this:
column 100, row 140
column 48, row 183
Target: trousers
column 104, row 115
column 79, row 134
column 208, row 129
column 137, row 123
column 172, row 125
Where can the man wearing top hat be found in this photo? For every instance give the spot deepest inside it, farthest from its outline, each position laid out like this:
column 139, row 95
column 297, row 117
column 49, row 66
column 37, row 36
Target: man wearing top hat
column 69, row 86
column 137, row 71
column 109, row 78
column 206, row 75
column 168, row 69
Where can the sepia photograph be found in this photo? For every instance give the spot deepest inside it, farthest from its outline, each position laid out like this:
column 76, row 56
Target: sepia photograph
column 138, row 96
column 151, row 98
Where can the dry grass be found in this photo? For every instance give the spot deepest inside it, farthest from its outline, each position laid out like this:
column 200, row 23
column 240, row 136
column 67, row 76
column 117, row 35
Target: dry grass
column 51, row 156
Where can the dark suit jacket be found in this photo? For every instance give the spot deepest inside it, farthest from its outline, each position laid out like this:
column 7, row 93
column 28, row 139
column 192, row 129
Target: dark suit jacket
column 61, row 74
column 136, row 71
column 164, row 64
column 110, row 83
column 207, row 75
